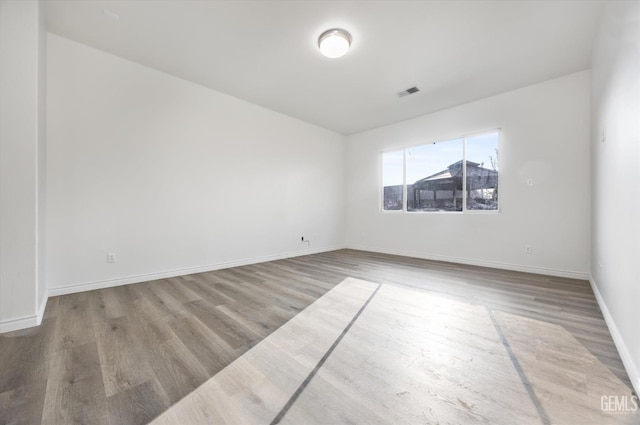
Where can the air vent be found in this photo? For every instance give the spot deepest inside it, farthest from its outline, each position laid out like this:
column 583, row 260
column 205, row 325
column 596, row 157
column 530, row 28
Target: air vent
column 407, row 92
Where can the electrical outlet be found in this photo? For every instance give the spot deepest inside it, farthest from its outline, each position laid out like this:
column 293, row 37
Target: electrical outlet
column 529, row 182
column 111, row 257
column 528, row 249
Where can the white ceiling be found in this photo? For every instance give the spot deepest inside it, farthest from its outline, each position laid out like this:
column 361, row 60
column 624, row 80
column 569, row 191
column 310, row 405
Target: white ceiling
column 265, row 51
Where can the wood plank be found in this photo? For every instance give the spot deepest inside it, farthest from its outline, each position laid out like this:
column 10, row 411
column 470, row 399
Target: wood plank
column 137, row 405
column 75, row 390
column 122, row 359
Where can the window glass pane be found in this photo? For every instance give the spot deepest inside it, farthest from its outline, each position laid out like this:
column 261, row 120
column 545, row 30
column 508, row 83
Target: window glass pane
column 392, row 180
column 482, row 172
column 434, row 177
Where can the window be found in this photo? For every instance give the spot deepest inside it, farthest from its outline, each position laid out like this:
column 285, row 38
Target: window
column 454, row 175
column 482, row 172
column 434, row 176
column 393, row 180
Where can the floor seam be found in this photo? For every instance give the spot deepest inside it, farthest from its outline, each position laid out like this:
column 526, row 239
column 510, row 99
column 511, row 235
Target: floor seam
column 523, row 377
column 321, row 362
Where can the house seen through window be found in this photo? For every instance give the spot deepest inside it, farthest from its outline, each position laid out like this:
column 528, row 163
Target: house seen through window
column 453, row 175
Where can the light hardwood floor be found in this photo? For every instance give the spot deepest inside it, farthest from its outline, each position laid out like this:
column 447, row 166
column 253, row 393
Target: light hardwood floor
column 124, row 355
column 368, row 353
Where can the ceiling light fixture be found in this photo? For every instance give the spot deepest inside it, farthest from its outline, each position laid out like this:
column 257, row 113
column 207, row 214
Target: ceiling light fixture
column 334, row 43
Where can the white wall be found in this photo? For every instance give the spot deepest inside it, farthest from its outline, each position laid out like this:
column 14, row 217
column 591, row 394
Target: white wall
column 175, row 178
column 42, row 290
column 615, row 148
column 545, row 137
column 21, row 135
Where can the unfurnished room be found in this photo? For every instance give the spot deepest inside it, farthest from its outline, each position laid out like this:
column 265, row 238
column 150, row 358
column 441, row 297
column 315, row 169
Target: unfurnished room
column 319, row 212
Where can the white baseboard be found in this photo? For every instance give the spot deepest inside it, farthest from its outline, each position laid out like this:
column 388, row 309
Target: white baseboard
column 25, row 321
column 20, row 323
column 43, row 307
column 625, row 355
column 126, row 280
column 491, row 264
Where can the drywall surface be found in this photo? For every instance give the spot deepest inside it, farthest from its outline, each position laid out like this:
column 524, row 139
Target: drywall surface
column 174, row 178
column 615, row 156
column 544, row 137
column 42, row 290
column 19, row 132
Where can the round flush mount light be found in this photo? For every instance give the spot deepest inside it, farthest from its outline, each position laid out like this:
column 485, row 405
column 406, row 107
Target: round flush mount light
column 334, row 43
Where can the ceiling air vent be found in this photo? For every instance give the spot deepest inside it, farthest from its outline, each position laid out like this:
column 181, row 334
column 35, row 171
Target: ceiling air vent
column 407, row 92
